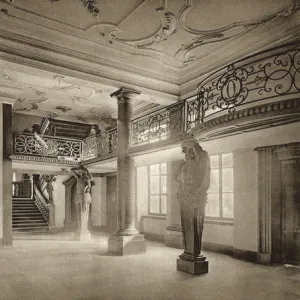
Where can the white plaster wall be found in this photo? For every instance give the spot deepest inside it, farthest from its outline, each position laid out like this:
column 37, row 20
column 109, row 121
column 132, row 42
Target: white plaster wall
column 141, row 196
column 99, row 201
column 59, row 200
column 153, row 225
column 245, row 200
column 218, row 234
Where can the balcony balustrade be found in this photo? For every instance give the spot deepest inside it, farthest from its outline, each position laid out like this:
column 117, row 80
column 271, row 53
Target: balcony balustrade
column 265, row 82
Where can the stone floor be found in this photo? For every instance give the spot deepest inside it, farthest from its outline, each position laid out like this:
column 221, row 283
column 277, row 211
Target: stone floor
column 56, row 268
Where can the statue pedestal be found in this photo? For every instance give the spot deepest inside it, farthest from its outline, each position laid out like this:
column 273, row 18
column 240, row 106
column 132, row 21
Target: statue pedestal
column 191, row 261
column 194, row 267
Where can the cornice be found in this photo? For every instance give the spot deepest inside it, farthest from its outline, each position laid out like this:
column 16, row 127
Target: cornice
column 85, row 68
column 40, row 159
column 280, row 147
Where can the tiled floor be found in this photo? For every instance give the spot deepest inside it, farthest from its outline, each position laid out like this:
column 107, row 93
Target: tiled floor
column 64, row 269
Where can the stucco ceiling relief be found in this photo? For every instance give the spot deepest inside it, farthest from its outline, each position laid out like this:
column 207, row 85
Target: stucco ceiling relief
column 91, row 6
column 204, row 37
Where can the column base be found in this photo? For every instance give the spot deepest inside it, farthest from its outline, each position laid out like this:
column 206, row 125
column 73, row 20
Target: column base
column 194, row 267
column 127, row 245
column 174, row 239
column 6, row 241
column 83, row 236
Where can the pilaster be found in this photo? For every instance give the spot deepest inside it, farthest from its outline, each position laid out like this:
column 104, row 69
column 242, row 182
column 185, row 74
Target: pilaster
column 265, row 203
column 7, row 179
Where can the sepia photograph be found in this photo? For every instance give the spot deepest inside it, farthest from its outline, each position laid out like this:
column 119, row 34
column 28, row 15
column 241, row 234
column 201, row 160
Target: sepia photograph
column 149, row 149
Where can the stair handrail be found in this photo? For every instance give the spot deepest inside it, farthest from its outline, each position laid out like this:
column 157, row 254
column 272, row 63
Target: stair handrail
column 41, row 202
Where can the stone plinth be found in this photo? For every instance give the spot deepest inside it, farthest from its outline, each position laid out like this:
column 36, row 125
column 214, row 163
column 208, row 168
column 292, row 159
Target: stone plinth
column 83, row 236
column 195, row 267
column 127, row 245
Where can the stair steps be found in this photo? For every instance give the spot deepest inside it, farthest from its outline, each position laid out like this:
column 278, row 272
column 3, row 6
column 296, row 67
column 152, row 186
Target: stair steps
column 26, row 217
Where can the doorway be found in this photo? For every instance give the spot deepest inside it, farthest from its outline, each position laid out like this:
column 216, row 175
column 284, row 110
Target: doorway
column 290, row 178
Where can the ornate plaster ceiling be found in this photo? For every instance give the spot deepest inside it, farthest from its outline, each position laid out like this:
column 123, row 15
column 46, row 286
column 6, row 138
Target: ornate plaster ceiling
column 178, row 30
column 44, row 93
column 165, row 41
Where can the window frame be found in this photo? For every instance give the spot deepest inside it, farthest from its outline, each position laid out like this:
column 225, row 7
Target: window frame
column 221, row 218
column 160, row 194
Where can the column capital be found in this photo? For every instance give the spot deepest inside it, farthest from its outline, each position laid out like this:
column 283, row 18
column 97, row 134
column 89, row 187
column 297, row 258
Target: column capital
column 125, row 94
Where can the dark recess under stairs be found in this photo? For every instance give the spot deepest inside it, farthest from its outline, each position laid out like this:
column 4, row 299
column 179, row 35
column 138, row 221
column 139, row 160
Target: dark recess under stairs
column 26, row 217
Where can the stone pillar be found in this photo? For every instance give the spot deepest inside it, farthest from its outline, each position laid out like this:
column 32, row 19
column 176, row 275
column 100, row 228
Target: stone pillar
column 127, row 239
column 7, row 175
column 98, row 212
column 1, row 174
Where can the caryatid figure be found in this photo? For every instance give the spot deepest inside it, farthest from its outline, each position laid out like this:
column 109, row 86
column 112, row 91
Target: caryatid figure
column 193, row 178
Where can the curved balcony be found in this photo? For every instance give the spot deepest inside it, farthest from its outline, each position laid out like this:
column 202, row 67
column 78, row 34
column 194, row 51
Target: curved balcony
column 254, row 93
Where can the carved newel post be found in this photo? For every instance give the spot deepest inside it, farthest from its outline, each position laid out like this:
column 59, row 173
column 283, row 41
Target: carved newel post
column 193, row 178
column 49, row 188
column 83, row 200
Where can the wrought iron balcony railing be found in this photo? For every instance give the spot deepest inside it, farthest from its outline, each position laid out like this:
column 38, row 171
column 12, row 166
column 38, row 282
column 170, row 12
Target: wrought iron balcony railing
column 55, row 147
column 102, row 145
column 261, row 79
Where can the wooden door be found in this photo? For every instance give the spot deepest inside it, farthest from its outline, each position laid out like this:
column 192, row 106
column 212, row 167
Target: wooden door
column 290, row 175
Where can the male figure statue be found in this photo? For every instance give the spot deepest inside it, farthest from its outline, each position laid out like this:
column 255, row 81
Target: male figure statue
column 83, row 201
column 193, row 178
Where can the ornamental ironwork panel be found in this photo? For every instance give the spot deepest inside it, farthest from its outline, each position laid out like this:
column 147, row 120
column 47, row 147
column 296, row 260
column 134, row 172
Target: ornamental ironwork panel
column 27, row 144
column 163, row 124
column 269, row 75
column 104, row 144
column 89, row 148
column 107, row 143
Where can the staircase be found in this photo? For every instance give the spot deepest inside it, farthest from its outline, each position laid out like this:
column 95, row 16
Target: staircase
column 26, row 217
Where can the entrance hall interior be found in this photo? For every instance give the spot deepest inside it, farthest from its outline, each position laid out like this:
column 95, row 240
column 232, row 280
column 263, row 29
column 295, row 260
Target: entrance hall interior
column 107, row 93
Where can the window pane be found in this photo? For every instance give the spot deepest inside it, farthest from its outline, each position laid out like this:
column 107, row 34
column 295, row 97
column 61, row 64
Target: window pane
column 154, row 204
column 163, row 168
column 214, row 181
column 228, row 205
column 214, row 162
column 163, row 183
column 154, row 170
column 154, row 184
column 212, row 208
column 227, row 160
column 163, row 199
column 227, row 180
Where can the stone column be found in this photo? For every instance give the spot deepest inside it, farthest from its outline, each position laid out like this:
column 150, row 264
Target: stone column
column 127, row 239
column 7, row 175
